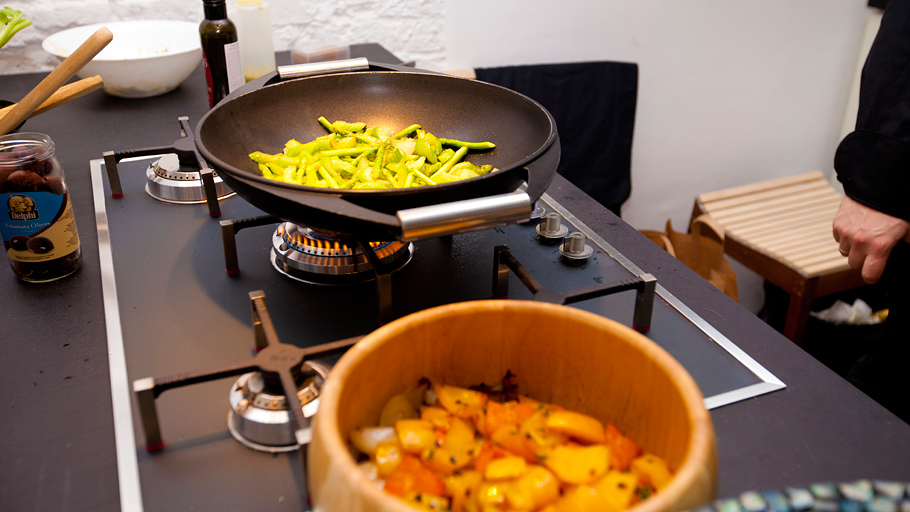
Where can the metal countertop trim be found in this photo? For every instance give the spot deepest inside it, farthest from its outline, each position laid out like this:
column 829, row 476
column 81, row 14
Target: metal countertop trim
column 769, row 381
column 124, row 438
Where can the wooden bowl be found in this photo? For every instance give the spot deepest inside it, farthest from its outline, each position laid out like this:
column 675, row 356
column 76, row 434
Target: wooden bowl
column 559, row 354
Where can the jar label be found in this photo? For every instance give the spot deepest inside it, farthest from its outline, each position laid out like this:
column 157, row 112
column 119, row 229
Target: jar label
column 37, row 226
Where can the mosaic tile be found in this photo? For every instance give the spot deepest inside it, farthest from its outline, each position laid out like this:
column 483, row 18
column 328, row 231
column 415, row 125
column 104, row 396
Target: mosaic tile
column 856, row 496
column 827, row 506
column 881, row 504
column 752, row 502
column 777, row 501
column 800, row 499
column 729, row 505
column 892, row 490
column 860, row 490
column 824, row 491
column 851, row 506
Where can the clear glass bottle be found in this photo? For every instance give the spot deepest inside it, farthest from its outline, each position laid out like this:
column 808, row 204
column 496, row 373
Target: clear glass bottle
column 38, row 227
column 220, row 51
column 254, row 30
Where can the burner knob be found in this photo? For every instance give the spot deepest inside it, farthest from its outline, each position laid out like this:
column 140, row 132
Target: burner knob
column 574, row 248
column 551, row 228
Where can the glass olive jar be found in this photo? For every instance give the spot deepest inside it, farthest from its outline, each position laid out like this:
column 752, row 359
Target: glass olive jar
column 37, row 224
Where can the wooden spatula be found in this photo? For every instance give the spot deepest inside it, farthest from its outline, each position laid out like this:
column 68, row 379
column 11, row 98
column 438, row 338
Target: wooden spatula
column 63, row 72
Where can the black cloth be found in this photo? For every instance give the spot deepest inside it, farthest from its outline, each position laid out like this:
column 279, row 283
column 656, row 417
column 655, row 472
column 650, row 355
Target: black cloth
column 593, row 104
column 873, row 163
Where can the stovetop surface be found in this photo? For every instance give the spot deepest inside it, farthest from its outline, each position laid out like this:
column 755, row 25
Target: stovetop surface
column 179, row 311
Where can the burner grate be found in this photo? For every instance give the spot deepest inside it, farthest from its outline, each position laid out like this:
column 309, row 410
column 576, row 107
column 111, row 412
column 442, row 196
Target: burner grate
column 180, row 176
column 280, row 366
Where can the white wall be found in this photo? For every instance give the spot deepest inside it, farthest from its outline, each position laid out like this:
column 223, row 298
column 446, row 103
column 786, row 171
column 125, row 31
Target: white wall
column 729, row 92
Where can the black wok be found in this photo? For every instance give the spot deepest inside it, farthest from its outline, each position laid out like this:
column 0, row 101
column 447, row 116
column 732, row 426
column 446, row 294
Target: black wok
column 263, row 119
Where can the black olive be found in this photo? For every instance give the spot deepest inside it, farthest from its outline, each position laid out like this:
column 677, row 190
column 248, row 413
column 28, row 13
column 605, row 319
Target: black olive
column 24, row 181
column 5, row 171
column 54, row 184
column 19, row 243
column 40, row 245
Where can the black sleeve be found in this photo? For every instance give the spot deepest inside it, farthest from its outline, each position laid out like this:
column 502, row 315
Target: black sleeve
column 873, row 162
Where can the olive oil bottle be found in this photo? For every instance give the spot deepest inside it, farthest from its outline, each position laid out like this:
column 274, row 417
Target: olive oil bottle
column 220, row 51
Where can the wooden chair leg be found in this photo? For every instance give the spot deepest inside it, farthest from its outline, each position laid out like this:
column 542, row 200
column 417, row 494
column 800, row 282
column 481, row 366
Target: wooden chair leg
column 798, row 311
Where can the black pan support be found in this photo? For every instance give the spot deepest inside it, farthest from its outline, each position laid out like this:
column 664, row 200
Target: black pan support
column 645, row 286
column 264, row 112
column 186, row 152
column 383, row 273
column 277, row 361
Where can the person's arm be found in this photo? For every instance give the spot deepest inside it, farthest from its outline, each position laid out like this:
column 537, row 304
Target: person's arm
column 873, row 162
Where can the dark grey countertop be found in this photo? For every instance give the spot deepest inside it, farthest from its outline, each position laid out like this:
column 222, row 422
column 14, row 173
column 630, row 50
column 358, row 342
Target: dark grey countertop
column 57, row 442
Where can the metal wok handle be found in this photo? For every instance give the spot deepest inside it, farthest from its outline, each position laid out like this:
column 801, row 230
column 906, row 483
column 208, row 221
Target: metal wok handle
column 464, row 216
column 322, row 68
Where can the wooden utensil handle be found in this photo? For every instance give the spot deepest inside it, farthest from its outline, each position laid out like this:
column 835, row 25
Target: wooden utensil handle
column 65, row 94
column 94, row 44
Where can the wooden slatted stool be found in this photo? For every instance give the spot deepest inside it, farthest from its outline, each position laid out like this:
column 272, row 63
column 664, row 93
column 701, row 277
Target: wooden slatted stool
column 781, row 230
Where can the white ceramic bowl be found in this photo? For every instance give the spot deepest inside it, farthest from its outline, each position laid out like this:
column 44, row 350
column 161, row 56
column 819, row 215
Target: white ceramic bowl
column 145, row 58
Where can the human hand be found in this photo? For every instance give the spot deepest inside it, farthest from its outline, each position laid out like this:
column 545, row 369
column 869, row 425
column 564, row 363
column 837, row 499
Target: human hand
column 866, row 237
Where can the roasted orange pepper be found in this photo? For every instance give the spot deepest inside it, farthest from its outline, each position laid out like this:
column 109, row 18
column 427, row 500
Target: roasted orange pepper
column 413, row 477
column 623, row 450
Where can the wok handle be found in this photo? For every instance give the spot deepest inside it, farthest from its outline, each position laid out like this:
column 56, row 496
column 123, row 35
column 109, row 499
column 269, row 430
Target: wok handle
column 463, row 216
column 322, row 68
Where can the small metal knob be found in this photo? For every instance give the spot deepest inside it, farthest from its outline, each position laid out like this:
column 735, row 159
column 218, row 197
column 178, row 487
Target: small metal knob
column 574, row 247
column 538, row 213
column 551, row 227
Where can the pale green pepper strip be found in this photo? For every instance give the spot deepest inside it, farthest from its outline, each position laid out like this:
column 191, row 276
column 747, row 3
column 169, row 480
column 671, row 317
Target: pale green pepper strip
column 289, row 173
column 328, row 177
column 338, row 166
column 392, row 181
column 421, row 148
column 312, row 178
column 295, row 150
column 363, row 155
column 461, row 166
column 378, row 162
column 407, row 131
column 262, row 158
column 300, row 175
column 343, row 152
column 366, row 139
column 285, row 161
column 325, row 123
column 462, row 151
column 423, row 177
column 469, row 145
column 346, row 127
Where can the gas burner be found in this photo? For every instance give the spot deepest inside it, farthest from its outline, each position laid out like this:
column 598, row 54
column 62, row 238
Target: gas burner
column 179, row 176
column 311, row 257
column 281, row 383
column 259, row 417
column 171, row 182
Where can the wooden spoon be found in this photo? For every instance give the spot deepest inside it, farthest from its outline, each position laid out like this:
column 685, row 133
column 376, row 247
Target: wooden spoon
column 65, row 94
column 86, row 52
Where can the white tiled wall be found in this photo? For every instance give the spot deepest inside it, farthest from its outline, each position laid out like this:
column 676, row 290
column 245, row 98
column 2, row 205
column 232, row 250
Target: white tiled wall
column 411, row 29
